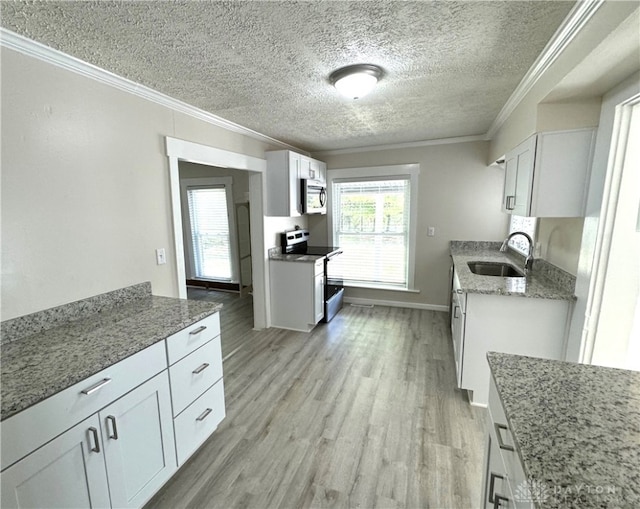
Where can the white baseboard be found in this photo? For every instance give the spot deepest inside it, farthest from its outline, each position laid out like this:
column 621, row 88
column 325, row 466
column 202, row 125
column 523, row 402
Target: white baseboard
column 396, row 304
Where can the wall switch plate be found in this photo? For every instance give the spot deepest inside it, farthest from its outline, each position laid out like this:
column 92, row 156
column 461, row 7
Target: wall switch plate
column 431, row 231
column 161, row 257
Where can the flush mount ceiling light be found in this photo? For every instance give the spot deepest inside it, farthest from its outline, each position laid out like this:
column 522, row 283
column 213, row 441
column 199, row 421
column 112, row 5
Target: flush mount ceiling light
column 355, row 81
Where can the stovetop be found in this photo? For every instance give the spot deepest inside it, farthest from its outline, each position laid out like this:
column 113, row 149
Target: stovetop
column 313, row 250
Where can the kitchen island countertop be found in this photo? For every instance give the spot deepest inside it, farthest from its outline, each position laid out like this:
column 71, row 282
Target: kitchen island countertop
column 576, row 428
column 44, row 363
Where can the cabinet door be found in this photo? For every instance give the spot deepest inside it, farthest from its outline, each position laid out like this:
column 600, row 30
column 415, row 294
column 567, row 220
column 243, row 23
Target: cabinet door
column 139, row 447
column 67, row 472
column 511, row 170
column 318, row 298
column 496, row 482
column 525, row 158
column 295, row 194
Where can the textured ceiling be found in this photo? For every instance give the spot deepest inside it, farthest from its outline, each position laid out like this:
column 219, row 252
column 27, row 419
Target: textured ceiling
column 449, row 66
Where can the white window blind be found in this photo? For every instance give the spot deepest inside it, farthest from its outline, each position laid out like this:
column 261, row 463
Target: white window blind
column 210, row 232
column 371, row 226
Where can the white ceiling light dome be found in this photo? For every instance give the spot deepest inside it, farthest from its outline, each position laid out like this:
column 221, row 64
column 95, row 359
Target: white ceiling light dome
column 355, row 81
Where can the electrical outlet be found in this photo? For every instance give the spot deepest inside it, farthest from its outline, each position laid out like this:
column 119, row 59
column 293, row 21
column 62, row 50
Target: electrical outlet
column 431, row 231
column 161, row 257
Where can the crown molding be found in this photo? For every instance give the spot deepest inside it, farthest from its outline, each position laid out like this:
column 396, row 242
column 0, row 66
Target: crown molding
column 570, row 27
column 16, row 42
column 394, row 146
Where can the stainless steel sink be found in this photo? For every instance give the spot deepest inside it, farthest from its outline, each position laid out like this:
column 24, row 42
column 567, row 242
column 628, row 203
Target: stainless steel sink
column 494, row 269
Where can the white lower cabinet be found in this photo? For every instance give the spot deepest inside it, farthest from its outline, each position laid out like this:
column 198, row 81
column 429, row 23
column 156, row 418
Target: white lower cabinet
column 197, row 389
column 130, row 443
column 137, row 436
column 504, row 483
column 503, row 323
column 198, row 421
column 67, row 472
column 109, row 440
column 297, row 294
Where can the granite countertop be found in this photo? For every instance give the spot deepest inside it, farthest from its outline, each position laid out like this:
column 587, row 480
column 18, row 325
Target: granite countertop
column 295, row 257
column 576, row 428
column 41, row 364
column 543, row 282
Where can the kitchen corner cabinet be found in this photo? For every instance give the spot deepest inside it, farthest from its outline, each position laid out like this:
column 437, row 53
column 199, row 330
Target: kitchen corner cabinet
column 284, row 171
column 297, row 294
column 548, row 174
column 502, row 323
column 504, row 482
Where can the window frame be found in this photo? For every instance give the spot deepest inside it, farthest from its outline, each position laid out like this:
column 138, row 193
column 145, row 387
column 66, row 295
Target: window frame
column 205, row 182
column 367, row 173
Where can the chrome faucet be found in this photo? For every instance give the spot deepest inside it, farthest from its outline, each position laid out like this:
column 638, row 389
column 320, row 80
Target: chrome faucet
column 528, row 262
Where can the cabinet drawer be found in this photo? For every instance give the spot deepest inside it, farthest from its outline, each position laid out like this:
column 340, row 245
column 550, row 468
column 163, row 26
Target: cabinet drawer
column 194, row 374
column 198, row 421
column 35, row 426
column 187, row 340
column 318, row 268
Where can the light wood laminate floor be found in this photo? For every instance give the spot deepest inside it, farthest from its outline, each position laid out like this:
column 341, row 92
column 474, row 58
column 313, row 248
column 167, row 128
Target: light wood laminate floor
column 360, row 413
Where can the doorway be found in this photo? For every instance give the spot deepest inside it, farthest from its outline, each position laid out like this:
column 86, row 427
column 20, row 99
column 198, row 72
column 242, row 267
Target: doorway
column 180, row 151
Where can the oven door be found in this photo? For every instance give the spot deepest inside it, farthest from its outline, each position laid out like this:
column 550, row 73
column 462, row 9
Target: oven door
column 314, row 197
column 333, row 290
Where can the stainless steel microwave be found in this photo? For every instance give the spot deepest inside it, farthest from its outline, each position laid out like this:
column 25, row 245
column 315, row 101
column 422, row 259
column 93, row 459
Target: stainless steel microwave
column 314, row 197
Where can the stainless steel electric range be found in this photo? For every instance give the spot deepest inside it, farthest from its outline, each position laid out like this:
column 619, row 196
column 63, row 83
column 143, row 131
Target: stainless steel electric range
column 297, row 242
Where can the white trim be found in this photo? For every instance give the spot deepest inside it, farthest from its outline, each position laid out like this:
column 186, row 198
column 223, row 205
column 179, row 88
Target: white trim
column 181, row 150
column 52, row 56
column 571, row 26
column 372, row 286
column 413, row 171
column 204, row 154
column 616, row 167
column 393, row 146
column 396, row 304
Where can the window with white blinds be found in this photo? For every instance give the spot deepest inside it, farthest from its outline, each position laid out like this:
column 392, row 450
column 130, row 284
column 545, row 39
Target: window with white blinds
column 371, row 224
column 210, row 238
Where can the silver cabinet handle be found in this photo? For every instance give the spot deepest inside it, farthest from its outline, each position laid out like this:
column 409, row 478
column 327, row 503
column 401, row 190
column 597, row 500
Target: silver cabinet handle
column 204, row 414
column 501, row 444
column 200, row 369
column 114, row 427
column 459, row 290
column 197, row 331
column 96, row 441
column 498, row 500
column 511, row 202
column 97, row 386
column 492, row 486
column 455, row 311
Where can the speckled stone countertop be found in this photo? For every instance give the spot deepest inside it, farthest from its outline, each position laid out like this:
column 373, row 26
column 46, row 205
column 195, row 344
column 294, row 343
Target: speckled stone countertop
column 576, row 428
column 40, row 365
column 540, row 283
column 275, row 253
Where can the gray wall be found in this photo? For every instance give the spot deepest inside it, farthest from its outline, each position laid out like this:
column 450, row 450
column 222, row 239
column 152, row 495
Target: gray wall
column 85, row 186
column 459, row 195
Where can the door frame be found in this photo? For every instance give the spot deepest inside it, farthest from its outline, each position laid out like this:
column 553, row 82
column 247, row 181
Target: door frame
column 603, row 243
column 181, row 150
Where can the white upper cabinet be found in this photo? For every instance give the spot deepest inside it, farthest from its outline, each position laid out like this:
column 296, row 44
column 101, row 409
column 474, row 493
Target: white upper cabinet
column 284, row 171
column 283, row 184
column 548, row 174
